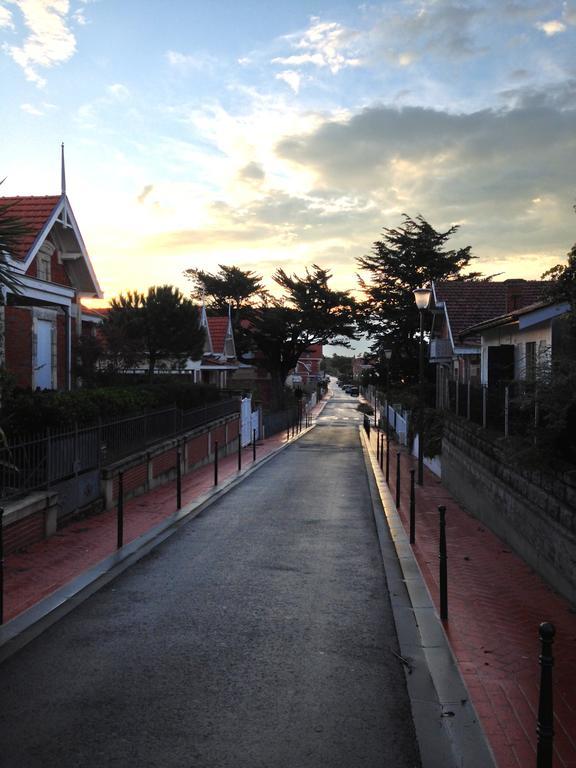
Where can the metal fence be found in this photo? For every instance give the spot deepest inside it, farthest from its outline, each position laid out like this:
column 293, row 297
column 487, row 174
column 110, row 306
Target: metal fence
column 41, row 462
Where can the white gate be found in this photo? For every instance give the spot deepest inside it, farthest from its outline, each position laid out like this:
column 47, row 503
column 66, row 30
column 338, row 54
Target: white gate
column 246, row 420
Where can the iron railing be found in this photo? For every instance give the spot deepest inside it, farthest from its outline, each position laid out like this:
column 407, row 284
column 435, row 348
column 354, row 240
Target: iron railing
column 42, row 461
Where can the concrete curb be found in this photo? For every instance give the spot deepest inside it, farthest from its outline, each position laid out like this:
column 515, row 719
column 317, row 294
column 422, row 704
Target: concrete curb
column 447, row 727
column 26, row 626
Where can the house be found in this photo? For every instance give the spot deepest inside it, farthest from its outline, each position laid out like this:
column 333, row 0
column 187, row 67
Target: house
column 41, row 321
column 458, row 306
column 308, row 370
column 515, row 345
column 219, row 361
column 360, row 365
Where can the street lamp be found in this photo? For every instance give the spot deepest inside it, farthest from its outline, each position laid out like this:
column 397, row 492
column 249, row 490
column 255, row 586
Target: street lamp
column 422, row 298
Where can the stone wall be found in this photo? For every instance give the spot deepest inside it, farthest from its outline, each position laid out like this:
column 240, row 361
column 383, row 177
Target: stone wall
column 533, row 512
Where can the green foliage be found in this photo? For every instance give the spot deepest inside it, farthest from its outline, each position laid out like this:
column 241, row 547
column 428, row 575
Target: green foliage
column 159, row 327
column 12, row 230
column 365, row 408
column 27, row 412
column 339, row 365
column 407, row 257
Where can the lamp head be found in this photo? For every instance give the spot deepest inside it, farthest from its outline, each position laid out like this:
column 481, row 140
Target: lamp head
column 422, row 297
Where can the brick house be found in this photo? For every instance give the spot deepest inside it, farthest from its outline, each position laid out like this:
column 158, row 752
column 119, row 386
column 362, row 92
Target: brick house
column 41, row 322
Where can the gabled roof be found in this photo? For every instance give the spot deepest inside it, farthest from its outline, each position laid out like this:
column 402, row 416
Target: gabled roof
column 40, row 215
column 218, row 328
column 540, row 311
column 468, row 303
column 34, row 212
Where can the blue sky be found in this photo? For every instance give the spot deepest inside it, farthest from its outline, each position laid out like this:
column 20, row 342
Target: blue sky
column 266, row 135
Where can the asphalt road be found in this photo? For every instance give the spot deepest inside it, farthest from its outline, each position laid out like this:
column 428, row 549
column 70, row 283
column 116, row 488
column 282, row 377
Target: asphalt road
column 259, row 635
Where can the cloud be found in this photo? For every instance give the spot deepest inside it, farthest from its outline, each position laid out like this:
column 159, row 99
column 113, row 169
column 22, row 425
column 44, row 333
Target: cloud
column 145, row 192
column 551, row 28
column 190, row 62
column 483, row 168
column 118, row 91
column 252, row 172
column 291, row 78
column 31, row 110
column 5, row 18
column 323, row 44
column 49, row 42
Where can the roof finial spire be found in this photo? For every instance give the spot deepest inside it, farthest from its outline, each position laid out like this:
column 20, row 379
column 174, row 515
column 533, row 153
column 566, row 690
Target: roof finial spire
column 63, row 175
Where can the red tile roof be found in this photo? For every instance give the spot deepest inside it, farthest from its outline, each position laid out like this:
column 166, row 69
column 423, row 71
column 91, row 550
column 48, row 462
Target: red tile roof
column 218, row 327
column 470, row 303
column 34, row 212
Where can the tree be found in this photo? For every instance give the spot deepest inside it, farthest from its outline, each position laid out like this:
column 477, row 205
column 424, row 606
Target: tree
column 407, row 257
column 231, row 289
column 12, row 230
column 161, row 326
column 309, row 313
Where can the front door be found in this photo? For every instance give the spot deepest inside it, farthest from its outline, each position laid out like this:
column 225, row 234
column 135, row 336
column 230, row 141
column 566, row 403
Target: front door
column 43, row 366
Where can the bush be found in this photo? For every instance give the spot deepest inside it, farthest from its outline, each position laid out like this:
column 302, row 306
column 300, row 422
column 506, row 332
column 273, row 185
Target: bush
column 365, row 408
column 27, row 412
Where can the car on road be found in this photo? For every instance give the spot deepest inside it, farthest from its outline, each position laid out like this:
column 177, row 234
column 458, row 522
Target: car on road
column 353, row 391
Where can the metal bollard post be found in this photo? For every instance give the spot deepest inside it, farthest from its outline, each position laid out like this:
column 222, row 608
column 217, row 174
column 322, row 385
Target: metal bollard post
column 398, row 480
column 120, row 515
column 288, row 430
column 1, row 565
column 388, row 459
column 545, row 726
column 412, row 507
column 377, row 446
column 443, row 556
column 253, row 445
column 381, row 451
column 239, row 451
column 216, row 463
column 178, row 480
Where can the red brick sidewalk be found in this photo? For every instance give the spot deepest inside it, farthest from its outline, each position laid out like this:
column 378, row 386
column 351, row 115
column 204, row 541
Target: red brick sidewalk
column 35, row 573
column 496, row 604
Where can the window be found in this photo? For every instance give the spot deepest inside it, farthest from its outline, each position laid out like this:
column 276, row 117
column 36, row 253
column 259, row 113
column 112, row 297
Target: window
column 43, row 266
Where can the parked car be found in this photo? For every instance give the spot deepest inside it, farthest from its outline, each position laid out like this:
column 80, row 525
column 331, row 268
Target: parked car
column 353, row 391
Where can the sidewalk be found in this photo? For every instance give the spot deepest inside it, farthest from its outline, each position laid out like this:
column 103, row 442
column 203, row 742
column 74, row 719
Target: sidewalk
column 496, row 604
column 44, row 567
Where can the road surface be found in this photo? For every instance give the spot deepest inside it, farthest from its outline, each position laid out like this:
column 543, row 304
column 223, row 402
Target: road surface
column 259, row 635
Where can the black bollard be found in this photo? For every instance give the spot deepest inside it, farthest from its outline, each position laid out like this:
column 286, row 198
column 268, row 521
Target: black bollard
column 288, row 430
column 388, row 460
column 377, row 446
column 1, row 565
column 120, row 515
column 178, row 480
column 412, row 507
column 216, row 463
column 545, row 726
column 239, row 451
column 253, row 445
column 381, row 451
column 398, row 480
column 443, row 557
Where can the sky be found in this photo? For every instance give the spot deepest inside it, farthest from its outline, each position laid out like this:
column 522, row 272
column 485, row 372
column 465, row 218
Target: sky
column 259, row 134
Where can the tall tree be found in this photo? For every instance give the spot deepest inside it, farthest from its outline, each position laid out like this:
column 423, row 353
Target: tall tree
column 309, row 313
column 407, row 257
column 231, row 288
column 161, row 326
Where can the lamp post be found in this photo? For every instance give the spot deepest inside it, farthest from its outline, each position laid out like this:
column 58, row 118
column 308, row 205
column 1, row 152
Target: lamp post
column 422, row 297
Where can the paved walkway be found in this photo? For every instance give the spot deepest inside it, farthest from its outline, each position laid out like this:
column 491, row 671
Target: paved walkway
column 496, row 604
column 35, row 573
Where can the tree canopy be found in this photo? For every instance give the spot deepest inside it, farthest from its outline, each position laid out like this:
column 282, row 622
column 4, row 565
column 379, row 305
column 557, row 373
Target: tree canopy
column 230, row 287
column 309, row 313
column 405, row 258
column 160, row 326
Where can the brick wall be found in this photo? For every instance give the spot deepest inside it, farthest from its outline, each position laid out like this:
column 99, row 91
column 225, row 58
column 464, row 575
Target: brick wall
column 23, row 533
column 18, row 344
column 533, row 512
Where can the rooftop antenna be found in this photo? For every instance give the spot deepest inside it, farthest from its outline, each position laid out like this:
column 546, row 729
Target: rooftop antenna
column 63, row 185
